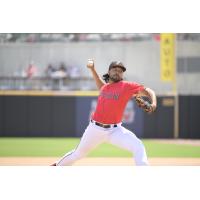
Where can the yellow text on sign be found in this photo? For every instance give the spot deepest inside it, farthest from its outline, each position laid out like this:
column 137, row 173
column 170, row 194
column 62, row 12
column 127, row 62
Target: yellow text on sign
column 167, row 52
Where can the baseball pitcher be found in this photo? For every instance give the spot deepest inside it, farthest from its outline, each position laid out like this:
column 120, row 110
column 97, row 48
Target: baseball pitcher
column 105, row 124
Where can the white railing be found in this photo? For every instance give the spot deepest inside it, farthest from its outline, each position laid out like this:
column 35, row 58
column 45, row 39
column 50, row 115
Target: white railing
column 46, row 83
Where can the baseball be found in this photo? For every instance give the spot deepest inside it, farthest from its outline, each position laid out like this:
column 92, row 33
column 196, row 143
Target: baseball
column 90, row 62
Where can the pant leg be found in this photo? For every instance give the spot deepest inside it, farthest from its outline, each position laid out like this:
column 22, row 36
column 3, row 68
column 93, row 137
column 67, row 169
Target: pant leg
column 125, row 139
column 90, row 139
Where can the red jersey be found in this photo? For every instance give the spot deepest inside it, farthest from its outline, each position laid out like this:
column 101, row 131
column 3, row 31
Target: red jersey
column 112, row 101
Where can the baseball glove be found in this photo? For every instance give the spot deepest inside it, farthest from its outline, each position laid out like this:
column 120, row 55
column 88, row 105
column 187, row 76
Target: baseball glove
column 144, row 104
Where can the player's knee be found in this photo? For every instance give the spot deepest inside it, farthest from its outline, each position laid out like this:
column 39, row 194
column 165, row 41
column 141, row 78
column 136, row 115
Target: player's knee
column 138, row 145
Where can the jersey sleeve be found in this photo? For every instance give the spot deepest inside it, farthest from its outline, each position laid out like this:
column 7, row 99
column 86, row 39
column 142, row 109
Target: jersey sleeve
column 134, row 88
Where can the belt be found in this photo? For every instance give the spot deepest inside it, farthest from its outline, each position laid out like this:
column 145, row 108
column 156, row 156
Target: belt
column 104, row 125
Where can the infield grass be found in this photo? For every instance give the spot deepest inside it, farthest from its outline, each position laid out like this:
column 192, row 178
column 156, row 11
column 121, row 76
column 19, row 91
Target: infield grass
column 58, row 146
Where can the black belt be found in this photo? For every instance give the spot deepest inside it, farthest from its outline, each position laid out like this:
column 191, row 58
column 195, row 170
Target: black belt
column 104, row 125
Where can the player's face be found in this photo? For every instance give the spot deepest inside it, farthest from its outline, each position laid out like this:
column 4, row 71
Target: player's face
column 116, row 74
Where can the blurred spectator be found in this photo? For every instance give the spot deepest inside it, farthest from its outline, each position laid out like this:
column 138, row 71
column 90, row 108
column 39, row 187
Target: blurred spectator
column 59, row 73
column 74, row 72
column 63, row 69
column 57, row 76
column 31, row 70
column 49, row 70
column 31, row 38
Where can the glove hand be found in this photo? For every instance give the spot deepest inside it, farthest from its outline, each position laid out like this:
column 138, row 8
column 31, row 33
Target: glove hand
column 145, row 105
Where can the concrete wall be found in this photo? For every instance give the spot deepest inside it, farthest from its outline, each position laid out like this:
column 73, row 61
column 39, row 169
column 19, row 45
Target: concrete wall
column 141, row 58
column 188, row 83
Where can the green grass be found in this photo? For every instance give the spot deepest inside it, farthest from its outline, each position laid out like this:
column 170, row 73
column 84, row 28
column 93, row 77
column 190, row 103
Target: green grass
column 158, row 149
column 59, row 146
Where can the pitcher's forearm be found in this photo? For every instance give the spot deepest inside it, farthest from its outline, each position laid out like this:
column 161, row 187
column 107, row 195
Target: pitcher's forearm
column 152, row 95
column 99, row 82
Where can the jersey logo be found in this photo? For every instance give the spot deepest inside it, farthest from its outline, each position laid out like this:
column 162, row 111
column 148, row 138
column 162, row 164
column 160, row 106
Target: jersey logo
column 109, row 95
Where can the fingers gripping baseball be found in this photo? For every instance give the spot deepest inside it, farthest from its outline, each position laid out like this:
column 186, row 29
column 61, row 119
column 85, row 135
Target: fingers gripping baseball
column 90, row 63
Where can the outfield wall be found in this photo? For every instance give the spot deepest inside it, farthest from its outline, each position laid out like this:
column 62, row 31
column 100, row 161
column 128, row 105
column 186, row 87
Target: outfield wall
column 53, row 114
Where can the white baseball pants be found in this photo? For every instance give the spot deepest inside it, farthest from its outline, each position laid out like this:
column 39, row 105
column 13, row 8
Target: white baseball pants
column 95, row 135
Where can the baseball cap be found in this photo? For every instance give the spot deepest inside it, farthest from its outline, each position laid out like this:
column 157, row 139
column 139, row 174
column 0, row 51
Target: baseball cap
column 114, row 64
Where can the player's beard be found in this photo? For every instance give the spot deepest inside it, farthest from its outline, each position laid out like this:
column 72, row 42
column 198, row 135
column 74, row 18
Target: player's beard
column 115, row 78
